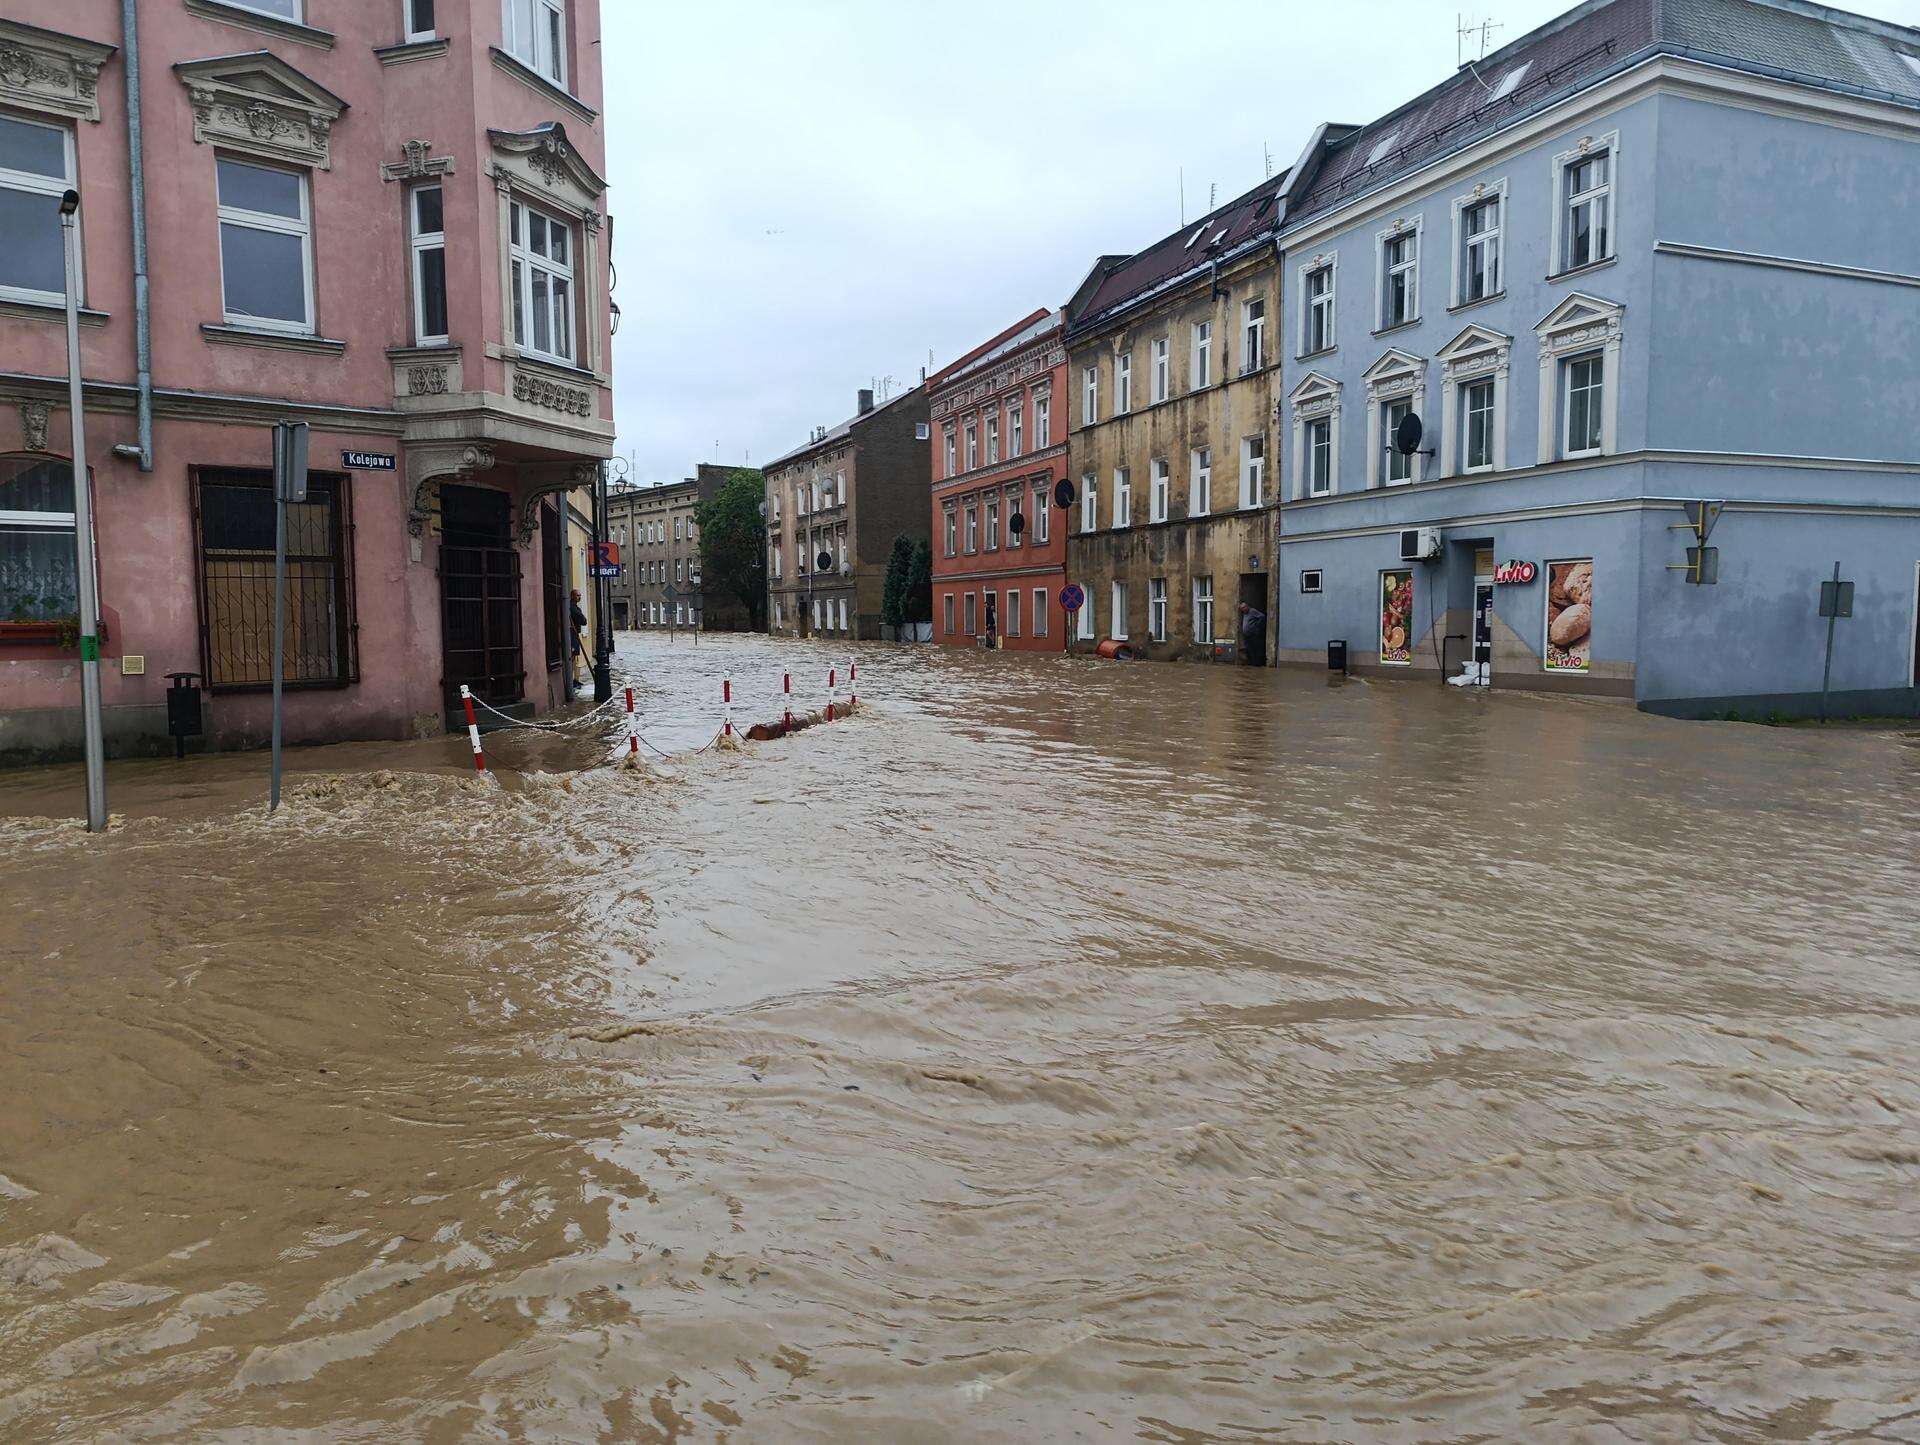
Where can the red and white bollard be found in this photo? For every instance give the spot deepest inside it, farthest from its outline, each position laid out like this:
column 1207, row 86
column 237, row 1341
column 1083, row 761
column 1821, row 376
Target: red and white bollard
column 786, row 699
column 473, row 730
column 633, row 728
column 726, row 697
column 833, row 683
column 853, row 686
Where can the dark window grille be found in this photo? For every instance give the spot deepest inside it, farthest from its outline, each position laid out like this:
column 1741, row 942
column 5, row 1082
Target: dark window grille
column 234, row 526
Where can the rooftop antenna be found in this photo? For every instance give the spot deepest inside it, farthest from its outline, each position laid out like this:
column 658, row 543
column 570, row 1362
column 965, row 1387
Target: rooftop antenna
column 1183, row 195
column 1465, row 37
column 1266, row 156
column 1213, row 195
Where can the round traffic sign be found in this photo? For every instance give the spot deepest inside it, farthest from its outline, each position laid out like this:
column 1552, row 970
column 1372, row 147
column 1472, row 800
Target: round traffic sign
column 1072, row 598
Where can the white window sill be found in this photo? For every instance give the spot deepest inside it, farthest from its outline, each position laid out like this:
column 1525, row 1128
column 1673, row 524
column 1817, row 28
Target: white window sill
column 424, row 47
column 1586, row 456
column 1582, row 270
column 234, row 334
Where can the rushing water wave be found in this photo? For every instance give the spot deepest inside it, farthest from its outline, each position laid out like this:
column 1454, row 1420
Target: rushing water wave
column 1051, row 1049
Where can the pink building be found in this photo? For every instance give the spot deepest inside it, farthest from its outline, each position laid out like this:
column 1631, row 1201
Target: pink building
column 381, row 217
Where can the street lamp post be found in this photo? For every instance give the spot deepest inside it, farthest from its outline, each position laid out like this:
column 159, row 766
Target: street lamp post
column 83, row 533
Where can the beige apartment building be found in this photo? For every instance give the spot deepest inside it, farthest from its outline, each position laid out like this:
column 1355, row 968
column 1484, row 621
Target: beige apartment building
column 659, row 543
column 1173, row 370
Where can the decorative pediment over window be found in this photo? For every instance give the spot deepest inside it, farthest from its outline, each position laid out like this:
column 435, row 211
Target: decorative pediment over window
column 1395, row 373
column 544, row 158
column 258, row 103
column 1476, row 350
column 1316, row 393
column 1580, row 321
column 42, row 70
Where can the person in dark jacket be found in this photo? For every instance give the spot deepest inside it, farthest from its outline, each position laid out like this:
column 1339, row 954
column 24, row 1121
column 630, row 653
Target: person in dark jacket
column 1253, row 635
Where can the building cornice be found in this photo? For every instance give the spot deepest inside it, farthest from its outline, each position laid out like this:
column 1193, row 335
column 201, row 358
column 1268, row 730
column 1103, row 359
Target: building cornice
column 1028, row 466
column 1249, row 255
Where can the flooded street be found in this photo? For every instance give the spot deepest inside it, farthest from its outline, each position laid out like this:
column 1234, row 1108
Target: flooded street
column 1053, row 1050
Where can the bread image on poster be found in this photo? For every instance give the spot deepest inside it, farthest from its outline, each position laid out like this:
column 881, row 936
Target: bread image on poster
column 1396, row 617
column 1569, row 616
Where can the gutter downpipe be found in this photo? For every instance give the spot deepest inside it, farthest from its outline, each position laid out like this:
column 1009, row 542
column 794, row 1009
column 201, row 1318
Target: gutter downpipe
column 137, row 169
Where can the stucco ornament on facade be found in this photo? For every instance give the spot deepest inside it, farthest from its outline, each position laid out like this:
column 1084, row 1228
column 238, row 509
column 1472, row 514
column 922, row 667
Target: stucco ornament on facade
column 1581, row 323
column 1476, row 353
column 552, row 395
column 417, row 162
column 429, row 465
column 33, row 425
column 544, row 482
column 259, row 103
column 50, row 73
column 1396, row 376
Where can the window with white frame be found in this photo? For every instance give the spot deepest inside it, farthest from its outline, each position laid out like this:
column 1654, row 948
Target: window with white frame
column 1399, row 464
column 542, row 276
column 1016, row 430
column 1042, row 420
column 973, row 529
column 536, row 36
column 1310, row 580
column 1200, row 357
column 266, row 246
column 1203, row 609
column 993, row 437
column 1083, row 619
column 1014, row 538
column 1042, row 509
column 39, row 570
column 1479, row 231
column 419, row 19
column 1586, row 210
column 1040, row 612
column 952, row 532
column 1396, row 388
column 946, row 614
column 1118, row 630
column 1122, row 497
column 993, row 524
column 972, row 612
column 1253, row 471
column 1476, row 426
column 775, row 551
column 1584, row 389
column 1253, row 335
column 843, row 615
column 1123, row 384
column 1316, row 318
column 1200, row 481
column 1399, row 278
column 951, row 454
column 1319, row 456
column 1157, row 609
column 36, row 170
column 973, row 443
column 279, row 9
column 816, row 614
column 1012, row 619
column 1162, row 369
column 1159, row 485
column 1090, row 396
column 1089, row 502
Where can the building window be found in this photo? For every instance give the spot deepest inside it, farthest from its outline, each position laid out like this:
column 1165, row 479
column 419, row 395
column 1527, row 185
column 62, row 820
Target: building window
column 816, row 613
column 1253, row 471
column 1585, row 392
column 1203, row 609
column 39, row 572
column 1118, row 630
column 542, row 283
column 36, row 169
column 993, row 524
column 1158, row 486
column 1586, row 209
column 1013, row 612
column 1040, row 612
column 679, row 569
column 1122, row 497
column 1200, row 363
column 536, row 36
column 419, row 20
column 282, row 9
column 1399, row 463
column 1090, row 396
column 1399, row 279
column 1016, row 431
column 973, row 443
column 951, row 452
column 1042, row 511
column 946, row 614
column 1480, row 250
column 993, row 438
column 1320, row 456
column 1310, row 580
column 1476, row 406
column 1089, row 502
column 972, row 613
column 1200, row 481
column 1123, row 384
column 429, row 268
column 843, row 615
column 1317, row 322
column 266, row 247
column 1042, row 420
column 952, row 532
column 1162, row 369
column 1253, row 335
column 973, row 529
column 1083, row 619
column 1157, row 609
column 1014, row 538
column 235, row 559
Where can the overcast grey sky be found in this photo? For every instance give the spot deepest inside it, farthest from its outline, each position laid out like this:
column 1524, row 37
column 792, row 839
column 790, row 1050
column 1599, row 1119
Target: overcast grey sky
column 807, row 196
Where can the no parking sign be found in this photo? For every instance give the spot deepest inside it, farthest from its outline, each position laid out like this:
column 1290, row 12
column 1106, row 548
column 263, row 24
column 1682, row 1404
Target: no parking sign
column 1072, row 598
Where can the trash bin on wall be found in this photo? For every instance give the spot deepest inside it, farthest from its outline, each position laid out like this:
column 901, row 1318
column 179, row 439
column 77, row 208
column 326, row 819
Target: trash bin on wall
column 1337, row 655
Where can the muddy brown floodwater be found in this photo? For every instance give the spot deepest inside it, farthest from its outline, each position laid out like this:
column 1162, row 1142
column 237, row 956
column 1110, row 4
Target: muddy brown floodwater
column 1054, row 1050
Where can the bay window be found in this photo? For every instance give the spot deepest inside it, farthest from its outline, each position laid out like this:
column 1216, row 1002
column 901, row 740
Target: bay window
column 542, row 264
column 429, row 268
column 36, row 169
column 536, row 36
column 266, row 246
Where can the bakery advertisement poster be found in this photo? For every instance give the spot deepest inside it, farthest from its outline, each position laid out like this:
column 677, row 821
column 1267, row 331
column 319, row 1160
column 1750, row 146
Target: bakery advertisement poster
column 1569, row 615
column 1396, row 618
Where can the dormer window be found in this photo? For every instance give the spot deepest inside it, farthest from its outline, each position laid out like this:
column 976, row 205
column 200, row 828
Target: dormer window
column 536, row 36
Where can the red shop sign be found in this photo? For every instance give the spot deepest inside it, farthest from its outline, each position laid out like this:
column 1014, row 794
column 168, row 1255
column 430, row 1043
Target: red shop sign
column 1512, row 572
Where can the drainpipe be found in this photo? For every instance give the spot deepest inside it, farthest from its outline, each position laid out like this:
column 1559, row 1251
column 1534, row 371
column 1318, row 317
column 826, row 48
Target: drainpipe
column 142, row 314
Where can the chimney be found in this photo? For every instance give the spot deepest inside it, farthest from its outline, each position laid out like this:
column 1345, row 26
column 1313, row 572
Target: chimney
column 866, row 400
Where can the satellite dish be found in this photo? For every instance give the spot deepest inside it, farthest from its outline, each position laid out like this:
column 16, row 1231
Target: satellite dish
column 1016, row 524
column 1406, row 436
column 824, row 562
column 1063, row 493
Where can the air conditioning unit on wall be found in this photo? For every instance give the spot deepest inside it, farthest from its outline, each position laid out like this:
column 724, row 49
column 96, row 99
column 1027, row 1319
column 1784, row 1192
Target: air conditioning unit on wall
column 1419, row 544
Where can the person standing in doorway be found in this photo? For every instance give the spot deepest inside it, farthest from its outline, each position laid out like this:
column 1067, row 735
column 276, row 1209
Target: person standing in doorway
column 577, row 624
column 1253, row 635
column 993, row 625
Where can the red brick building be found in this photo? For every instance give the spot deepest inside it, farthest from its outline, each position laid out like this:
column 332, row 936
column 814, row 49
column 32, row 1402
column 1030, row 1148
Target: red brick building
column 999, row 446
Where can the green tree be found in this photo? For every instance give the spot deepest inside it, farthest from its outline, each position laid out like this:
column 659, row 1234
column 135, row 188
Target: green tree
column 733, row 542
column 920, row 583
column 893, row 598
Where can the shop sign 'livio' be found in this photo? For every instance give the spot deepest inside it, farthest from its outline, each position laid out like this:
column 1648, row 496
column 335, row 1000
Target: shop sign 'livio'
column 1512, row 572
